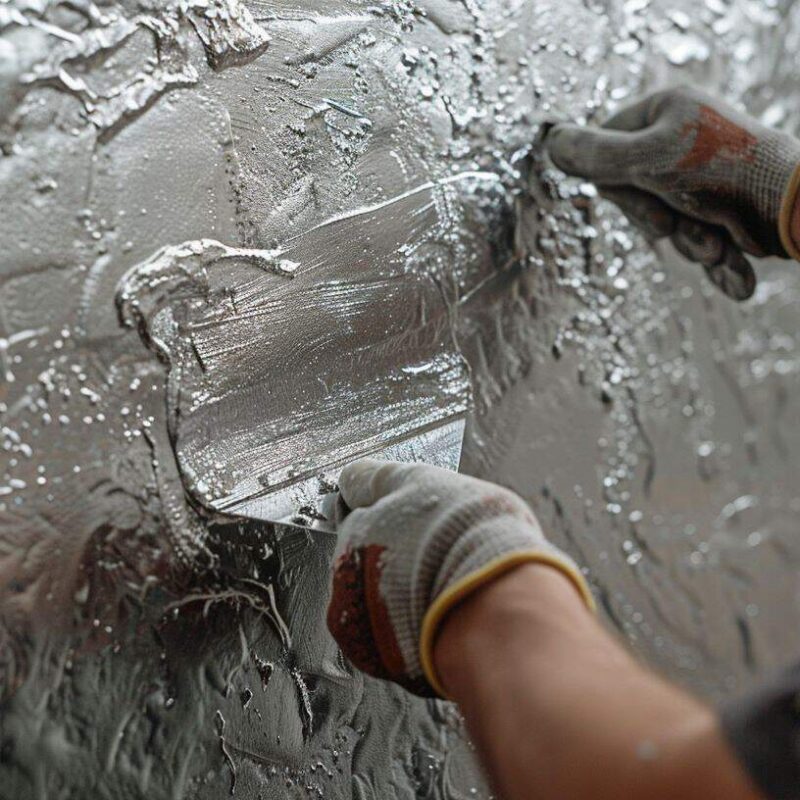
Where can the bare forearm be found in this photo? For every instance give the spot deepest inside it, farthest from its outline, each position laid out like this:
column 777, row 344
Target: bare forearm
column 559, row 709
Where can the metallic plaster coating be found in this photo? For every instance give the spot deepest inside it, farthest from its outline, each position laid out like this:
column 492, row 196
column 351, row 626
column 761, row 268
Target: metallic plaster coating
column 339, row 344
column 151, row 646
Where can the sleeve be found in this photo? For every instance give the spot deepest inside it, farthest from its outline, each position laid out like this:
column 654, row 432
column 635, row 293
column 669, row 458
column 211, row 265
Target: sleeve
column 763, row 728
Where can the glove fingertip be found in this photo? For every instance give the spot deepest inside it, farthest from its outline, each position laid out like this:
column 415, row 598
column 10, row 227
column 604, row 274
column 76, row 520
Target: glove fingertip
column 563, row 145
column 734, row 275
column 355, row 482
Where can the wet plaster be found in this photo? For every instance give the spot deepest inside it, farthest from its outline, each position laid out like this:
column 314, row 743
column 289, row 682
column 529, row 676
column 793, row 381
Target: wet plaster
column 174, row 174
column 356, row 316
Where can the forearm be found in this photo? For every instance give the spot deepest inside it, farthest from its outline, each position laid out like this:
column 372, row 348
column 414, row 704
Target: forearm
column 557, row 708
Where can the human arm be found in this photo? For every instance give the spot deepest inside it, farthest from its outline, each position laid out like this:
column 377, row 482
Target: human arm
column 686, row 166
column 447, row 586
column 557, row 708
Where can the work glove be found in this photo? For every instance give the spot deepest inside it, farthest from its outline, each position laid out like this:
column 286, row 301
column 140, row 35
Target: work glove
column 684, row 165
column 418, row 540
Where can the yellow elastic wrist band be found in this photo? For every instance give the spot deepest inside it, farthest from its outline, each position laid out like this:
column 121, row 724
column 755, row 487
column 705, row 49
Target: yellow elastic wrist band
column 786, row 213
column 445, row 602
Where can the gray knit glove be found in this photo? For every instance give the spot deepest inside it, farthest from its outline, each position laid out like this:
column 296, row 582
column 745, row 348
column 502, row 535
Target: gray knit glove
column 419, row 540
column 685, row 165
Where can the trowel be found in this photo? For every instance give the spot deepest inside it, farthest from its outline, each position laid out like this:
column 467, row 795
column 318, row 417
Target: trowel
column 286, row 364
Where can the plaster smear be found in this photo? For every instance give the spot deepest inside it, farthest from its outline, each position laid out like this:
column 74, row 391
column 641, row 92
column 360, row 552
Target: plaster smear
column 340, row 343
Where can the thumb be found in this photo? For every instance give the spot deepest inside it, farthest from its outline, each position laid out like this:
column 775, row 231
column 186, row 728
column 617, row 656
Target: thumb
column 364, row 482
column 599, row 155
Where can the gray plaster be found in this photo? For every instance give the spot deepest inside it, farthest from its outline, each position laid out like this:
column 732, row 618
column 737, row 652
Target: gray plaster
column 151, row 646
column 341, row 343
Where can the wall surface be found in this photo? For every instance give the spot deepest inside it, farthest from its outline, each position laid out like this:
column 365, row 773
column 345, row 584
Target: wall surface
column 151, row 648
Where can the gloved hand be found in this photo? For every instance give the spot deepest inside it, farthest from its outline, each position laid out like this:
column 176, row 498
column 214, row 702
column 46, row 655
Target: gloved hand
column 685, row 165
column 419, row 540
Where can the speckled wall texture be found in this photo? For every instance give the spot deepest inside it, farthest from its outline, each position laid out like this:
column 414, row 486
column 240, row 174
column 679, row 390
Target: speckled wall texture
column 166, row 166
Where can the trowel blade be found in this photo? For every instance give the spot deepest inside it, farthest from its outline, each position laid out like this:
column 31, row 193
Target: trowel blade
column 315, row 497
column 286, row 364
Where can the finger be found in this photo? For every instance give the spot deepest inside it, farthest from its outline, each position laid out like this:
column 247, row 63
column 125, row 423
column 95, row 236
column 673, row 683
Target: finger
column 723, row 261
column 645, row 210
column 699, row 242
column 364, row 482
column 632, row 117
column 603, row 156
column 753, row 237
column 720, row 211
column 734, row 274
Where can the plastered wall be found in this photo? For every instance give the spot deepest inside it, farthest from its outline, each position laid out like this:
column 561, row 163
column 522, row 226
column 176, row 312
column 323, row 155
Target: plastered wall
column 151, row 649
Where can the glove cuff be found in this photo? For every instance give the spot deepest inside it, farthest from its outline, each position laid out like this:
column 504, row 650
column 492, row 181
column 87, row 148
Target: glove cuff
column 454, row 594
column 787, row 212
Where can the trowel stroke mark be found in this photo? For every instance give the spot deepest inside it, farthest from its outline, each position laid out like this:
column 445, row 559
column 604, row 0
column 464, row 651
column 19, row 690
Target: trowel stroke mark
column 273, row 377
column 465, row 178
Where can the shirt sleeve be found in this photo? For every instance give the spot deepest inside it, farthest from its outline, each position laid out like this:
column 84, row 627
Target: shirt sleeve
column 764, row 729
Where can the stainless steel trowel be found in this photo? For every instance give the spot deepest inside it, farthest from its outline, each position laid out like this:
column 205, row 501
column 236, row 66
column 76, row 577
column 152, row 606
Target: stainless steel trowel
column 286, row 364
column 310, row 501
